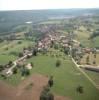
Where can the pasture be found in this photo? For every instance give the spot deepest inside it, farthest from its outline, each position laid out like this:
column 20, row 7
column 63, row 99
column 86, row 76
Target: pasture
column 66, row 77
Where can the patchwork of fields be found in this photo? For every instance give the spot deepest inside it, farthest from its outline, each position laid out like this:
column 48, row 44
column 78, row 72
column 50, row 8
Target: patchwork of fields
column 66, row 77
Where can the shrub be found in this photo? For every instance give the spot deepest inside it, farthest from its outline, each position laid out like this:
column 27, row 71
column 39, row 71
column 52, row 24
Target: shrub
column 46, row 94
column 20, row 54
column 80, row 89
column 50, row 81
column 58, row 63
column 15, row 70
column 19, row 42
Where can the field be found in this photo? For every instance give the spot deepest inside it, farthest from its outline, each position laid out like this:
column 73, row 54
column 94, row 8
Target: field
column 91, row 59
column 94, row 76
column 83, row 35
column 66, row 78
column 9, row 50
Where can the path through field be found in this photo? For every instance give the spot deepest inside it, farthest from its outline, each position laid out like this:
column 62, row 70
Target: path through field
column 77, row 66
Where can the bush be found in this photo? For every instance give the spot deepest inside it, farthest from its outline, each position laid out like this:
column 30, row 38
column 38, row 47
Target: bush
column 58, row 63
column 15, row 70
column 19, row 42
column 25, row 71
column 32, row 64
column 46, row 94
column 80, row 89
column 1, row 67
column 50, row 81
column 13, row 53
column 10, row 63
column 20, row 54
column 6, row 48
column 34, row 53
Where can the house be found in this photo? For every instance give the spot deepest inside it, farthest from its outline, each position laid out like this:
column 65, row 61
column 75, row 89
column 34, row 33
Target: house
column 7, row 72
column 87, row 50
column 28, row 66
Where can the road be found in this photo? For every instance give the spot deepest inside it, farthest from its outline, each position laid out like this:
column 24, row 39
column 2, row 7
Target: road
column 15, row 63
column 77, row 66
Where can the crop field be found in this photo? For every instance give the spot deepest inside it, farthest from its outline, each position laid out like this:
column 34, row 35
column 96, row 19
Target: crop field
column 91, row 59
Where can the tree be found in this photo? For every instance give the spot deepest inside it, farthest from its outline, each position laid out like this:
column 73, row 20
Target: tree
column 19, row 42
column 87, row 59
column 80, row 89
column 15, row 70
column 34, row 53
column 58, row 63
column 1, row 40
column 52, row 44
column 46, row 94
column 32, row 64
column 50, row 81
column 94, row 62
column 6, row 48
column 94, row 34
column 56, row 46
column 66, row 50
column 73, row 52
column 1, row 67
column 94, row 55
column 20, row 54
column 25, row 71
column 10, row 63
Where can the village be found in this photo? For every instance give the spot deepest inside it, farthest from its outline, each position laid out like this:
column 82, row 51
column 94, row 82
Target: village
column 64, row 43
column 49, row 54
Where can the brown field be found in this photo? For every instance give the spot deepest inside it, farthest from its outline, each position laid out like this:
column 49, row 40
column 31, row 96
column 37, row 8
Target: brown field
column 23, row 91
column 91, row 59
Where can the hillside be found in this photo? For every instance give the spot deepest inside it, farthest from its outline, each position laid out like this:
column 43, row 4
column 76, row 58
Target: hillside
column 10, row 19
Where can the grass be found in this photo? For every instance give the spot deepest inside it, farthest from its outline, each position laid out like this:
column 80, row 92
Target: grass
column 94, row 76
column 83, row 36
column 66, row 77
column 4, row 59
column 14, row 46
column 96, row 41
column 14, row 79
column 5, row 55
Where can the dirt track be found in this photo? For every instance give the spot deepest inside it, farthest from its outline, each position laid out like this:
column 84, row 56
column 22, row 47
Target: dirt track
column 21, row 92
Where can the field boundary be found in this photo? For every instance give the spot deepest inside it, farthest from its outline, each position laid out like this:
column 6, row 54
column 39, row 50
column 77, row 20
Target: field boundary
column 77, row 66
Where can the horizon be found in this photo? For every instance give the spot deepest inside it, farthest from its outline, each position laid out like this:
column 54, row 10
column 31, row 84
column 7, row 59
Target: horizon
column 10, row 5
column 49, row 9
